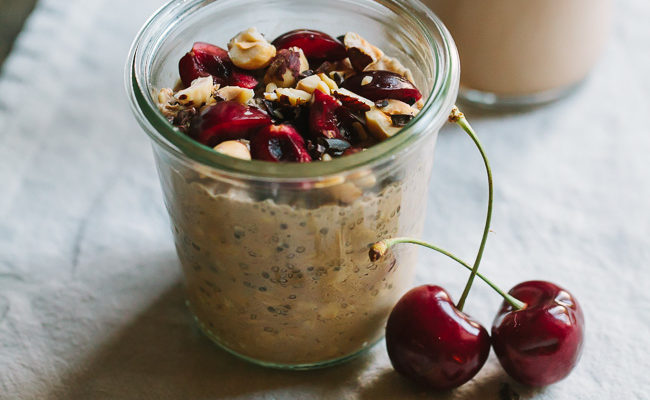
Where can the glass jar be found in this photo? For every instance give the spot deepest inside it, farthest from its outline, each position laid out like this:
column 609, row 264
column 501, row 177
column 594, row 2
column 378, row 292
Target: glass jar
column 524, row 52
column 275, row 255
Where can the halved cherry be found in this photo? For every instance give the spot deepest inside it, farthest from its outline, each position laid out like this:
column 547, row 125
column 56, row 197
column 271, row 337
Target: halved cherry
column 317, row 46
column 227, row 120
column 279, row 143
column 207, row 59
column 378, row 85
column 322, row 116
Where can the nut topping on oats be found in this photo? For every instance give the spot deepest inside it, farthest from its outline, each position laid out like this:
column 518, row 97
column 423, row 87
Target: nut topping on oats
column 360, row 52
column 321, row 97
column 380, row 125
column 236, row 93
column 199, row 93
column 250, row 50
column 286, row 67
column 233, row 148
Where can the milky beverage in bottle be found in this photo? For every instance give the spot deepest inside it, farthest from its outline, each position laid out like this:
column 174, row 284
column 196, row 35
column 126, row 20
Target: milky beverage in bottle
column 525, row 47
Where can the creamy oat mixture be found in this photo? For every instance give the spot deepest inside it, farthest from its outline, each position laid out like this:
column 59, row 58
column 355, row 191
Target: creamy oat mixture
column 283, row 276
column 293, row 285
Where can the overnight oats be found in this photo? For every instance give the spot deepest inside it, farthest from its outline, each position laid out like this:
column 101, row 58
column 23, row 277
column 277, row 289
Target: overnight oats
column 274, row 241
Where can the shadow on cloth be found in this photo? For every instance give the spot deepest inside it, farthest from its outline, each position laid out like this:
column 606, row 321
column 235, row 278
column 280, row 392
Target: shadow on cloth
column 161, row 354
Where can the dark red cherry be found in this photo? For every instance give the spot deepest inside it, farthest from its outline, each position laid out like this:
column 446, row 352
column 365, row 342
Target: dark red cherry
column 279, row 143
column 541, row 343
column 379, row 85
column 206, row 59
column 227, row 120
column 322, row 116
column 317, row 46
column 433, row 343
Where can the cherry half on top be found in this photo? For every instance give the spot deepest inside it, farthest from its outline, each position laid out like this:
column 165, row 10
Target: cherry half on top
column 378, row 85
column 227, row 120
column 206, row 59
column 279, row 143
column 316, row 45
column 541, row 343
column 429, row 340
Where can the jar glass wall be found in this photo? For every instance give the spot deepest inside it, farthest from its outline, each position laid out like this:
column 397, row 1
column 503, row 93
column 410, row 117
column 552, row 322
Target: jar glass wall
column 275, row 256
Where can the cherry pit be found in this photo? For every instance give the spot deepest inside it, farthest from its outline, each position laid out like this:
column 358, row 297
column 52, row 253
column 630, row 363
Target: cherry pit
column 537, row 333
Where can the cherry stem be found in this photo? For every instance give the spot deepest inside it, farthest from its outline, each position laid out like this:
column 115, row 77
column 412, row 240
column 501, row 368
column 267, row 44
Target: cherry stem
column 380, row 248
column 459, row 118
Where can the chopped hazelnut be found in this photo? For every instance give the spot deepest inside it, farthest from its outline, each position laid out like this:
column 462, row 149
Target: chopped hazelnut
column 293, row 97
column 309, row 84
column 393, row 107
column 234, row 148
column 286, row 67
column 342, row 68
column 271, row 87
column 391, row 64
column 250, row 50
column 164, row 96
column 167, row 104
column 198, row 94
column 319, row 81
column 328, row 81
column 236, row 93
column 360, row 52
column 380, row 124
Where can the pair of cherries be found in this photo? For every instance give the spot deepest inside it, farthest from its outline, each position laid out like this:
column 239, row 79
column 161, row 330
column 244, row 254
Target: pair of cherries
column 431, row 341
column 537, row 333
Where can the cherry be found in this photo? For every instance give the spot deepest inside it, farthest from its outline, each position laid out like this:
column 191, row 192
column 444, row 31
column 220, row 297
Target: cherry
column 316, row 45
column 322, row 116
column 537, row 334
column 227, row 120
column 430, row 341
column 541, row 343
column 207, row 59
column 379, row 85
column 279, row 143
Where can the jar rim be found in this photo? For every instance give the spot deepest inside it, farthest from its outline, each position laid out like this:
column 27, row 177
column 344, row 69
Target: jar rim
column 437, row 105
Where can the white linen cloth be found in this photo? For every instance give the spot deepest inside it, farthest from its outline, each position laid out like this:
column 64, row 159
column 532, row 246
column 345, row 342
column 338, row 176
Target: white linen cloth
column 91, row 303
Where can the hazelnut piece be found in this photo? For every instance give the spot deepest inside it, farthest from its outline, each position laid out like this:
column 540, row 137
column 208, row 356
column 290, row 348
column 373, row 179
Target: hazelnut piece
column 394, row 107
column 391, row 64
column 250, row 50
column 286, row 67
column 234, row 148
column 199, row 92
column 236, row 93
column 319, row 81
column 293, row 97
column 360, row 52
column 380, row 125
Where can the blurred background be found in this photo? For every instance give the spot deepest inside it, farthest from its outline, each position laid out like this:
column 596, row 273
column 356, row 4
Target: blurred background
column 91, row 300
column 12, row 18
